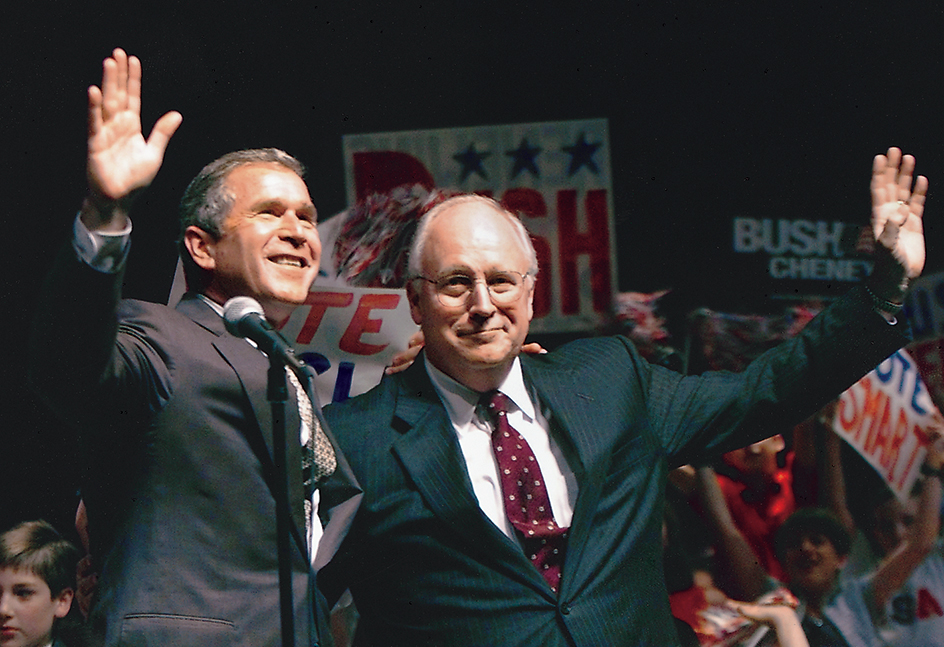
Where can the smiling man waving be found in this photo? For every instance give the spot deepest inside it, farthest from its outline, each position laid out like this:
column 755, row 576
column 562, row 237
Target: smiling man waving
column 172, row 410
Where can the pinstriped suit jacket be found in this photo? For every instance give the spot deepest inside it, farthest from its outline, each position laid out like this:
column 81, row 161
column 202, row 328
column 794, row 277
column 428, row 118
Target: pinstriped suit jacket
column 426, row 566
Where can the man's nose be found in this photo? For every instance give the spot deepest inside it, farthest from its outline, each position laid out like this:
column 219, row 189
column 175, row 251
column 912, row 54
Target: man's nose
column 755, row 448
column 480, row 300
column 294, row 228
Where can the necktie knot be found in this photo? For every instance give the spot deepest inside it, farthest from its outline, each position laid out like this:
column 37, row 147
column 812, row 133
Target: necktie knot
column 496, row 405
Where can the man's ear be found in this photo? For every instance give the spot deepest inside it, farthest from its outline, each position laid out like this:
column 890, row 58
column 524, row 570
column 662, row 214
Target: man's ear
column 202, row 247
column 413, row 295
column 63, row 602
column 531, row 299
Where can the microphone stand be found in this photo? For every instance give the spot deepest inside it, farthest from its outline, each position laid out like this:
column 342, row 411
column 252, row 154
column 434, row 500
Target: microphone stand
column 278, row 395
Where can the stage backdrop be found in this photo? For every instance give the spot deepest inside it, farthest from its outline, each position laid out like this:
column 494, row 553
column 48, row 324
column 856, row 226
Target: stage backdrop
column 556, row 175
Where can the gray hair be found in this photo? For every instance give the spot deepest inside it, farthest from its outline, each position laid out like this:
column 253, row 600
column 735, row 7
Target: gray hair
column 422, row 230
column 207, row 200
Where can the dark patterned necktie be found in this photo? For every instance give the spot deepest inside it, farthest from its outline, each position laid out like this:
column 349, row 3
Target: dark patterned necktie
column 318, row 459
column 525, row 496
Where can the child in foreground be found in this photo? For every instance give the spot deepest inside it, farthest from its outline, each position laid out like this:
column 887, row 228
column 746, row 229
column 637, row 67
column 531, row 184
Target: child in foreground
column 37, row 584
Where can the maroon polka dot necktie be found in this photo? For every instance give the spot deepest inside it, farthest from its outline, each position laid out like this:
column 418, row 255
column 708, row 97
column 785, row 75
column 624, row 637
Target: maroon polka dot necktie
column 525, row 496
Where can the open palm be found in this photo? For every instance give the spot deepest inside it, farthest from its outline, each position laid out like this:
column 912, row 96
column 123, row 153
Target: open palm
column 898, row 209
column 120, row 160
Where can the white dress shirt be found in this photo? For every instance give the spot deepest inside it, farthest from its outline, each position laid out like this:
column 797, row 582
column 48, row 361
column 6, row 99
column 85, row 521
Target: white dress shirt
column 474, row 431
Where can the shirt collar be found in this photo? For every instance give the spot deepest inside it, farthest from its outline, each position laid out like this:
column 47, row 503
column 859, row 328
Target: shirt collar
column 460, row 401
column 217, row 308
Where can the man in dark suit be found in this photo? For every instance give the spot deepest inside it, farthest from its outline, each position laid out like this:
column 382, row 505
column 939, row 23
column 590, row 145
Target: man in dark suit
column 442, row 551
column 173, row 410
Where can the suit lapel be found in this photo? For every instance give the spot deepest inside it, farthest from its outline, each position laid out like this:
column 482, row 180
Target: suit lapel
column 572, row 424
column 251, row 369
column 429, row 452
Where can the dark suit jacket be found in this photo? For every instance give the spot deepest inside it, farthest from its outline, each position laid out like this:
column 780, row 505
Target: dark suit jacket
column 427, row 567
column 174, row 417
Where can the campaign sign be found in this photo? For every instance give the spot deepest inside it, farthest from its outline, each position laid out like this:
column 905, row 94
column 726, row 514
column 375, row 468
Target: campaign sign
column 884, row 417
column 817, row 250
column 555, row 175
column 929, row 356
column 348, row 335
column 924, row 306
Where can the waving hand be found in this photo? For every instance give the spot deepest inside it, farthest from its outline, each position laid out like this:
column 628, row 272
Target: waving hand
column 897, row 212
column 120, row 160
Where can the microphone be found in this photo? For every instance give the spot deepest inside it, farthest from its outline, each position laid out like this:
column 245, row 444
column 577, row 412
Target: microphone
column 244, row 318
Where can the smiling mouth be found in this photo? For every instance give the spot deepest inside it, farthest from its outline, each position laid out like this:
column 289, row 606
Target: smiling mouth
column 472, row 333
column 808, row 564
column 289, row 261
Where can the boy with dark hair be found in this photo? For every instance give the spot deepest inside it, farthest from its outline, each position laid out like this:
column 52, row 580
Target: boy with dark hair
column 813, row 546
column 37, row 584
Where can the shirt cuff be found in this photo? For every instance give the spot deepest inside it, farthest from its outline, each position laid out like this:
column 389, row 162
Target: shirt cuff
column 105, row 252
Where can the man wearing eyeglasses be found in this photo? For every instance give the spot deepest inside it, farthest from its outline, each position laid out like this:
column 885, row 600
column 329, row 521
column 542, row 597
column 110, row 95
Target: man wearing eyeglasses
column 517, row 499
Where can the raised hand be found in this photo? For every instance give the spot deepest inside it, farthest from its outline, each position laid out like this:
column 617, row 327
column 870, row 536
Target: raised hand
column 897, row 211
column 120, row 160
column 781, row 618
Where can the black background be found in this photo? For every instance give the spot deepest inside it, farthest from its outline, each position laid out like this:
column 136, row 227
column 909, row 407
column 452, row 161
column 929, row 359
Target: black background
column 716, row 109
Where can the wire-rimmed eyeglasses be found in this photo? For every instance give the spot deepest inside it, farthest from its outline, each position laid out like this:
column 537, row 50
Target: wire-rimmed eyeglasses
column 454, row 290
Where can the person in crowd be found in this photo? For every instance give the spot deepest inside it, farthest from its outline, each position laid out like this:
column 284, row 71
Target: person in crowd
column 547, row 532
column 172, row 410
column 813, row 545
column 891, row 535
column 914, row 614
column 759, row 493
column 763, row 484
column 897, row 530
column 37, row 585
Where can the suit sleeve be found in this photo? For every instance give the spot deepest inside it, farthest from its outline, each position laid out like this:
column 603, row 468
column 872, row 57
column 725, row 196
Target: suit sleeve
column 720, row 411
column 85, row 361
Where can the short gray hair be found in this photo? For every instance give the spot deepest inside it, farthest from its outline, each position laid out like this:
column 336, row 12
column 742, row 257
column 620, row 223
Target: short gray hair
column 422, row 230
column 207, row 201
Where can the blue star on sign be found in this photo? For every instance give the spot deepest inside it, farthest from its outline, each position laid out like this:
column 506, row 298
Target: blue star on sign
column 471, row 161
column 524, row 158
column 581, row 154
